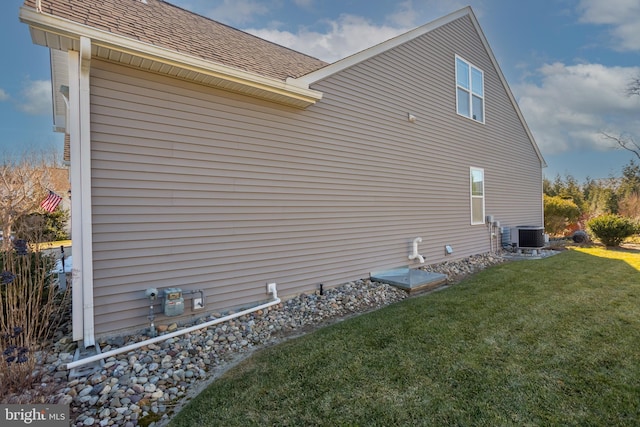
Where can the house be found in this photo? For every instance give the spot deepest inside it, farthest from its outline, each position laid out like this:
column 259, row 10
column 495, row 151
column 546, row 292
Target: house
column 206, row 159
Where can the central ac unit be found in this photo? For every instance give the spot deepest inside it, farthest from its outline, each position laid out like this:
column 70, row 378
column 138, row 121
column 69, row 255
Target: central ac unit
column 527, row 237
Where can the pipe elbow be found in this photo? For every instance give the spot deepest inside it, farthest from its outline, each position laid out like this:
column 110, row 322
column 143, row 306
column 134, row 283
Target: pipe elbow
column 415, row 254
column 418, row 257
column 271, row 289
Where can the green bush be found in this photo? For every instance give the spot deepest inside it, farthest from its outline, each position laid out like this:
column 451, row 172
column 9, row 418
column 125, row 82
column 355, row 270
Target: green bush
column 38, row 227
column 559, row 213
column 612, row 229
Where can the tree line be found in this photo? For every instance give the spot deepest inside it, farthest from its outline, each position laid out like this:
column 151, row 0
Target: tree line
column 569, row 204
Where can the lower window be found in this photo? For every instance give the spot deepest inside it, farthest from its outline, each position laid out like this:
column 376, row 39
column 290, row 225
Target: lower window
column 476, row 176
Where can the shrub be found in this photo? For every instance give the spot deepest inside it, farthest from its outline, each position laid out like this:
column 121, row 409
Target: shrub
column 559, row 213
column 50, row 226
column 612, row 229
column 30, row 312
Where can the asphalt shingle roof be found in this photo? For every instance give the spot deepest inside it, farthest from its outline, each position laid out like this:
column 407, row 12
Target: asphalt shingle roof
column 164, row 25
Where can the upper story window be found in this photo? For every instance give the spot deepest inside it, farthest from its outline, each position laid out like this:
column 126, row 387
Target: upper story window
column 469, row 90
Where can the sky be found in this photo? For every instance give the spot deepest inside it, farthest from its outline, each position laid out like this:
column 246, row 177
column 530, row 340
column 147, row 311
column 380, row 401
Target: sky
column 568, row 63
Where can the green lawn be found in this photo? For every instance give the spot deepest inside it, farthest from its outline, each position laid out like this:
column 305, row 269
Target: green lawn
column 528, row 343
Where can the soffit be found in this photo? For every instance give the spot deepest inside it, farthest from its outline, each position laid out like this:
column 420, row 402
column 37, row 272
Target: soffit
column 62, row 34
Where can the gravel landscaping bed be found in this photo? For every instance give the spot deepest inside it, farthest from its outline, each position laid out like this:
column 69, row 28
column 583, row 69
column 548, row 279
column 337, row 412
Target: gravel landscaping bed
column 149, row 383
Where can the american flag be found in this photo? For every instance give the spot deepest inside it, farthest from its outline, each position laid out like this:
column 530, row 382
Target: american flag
column 51, row 202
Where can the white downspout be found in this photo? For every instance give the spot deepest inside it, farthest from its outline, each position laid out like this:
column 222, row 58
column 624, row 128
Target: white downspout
column 81, row 228
column 415, row 253
column 271, row 288
column 76, row 197
column 85, row 176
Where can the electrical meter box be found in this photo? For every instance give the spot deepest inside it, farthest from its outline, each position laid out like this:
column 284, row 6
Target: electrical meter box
column 173, row 302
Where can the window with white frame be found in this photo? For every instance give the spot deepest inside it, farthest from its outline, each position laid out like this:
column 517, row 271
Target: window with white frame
column 469, row 90
column 477, row 195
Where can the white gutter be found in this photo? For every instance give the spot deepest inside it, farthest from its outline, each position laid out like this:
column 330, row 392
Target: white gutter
column 271, row 287
column 65, row 32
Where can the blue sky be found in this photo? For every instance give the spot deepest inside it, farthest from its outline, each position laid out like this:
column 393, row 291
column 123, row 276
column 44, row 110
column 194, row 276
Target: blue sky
column 568, row 63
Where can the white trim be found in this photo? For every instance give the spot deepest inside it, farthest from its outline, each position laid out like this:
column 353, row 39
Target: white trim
column 59, row 78
column 471, row 196
column 76, row 198
column 56, row 27
column 336, row 67
column 81, row 228
column 469, row 90
column 85, row 188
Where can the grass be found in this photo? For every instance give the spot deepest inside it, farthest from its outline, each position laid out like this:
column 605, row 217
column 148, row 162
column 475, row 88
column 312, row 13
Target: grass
column 529, row 343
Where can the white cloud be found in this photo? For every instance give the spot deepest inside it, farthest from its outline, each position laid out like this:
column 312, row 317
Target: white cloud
column 36, row 97
column 347, row 35
column 4, row 96
column 405, row 15
column 623, row 16
column 330, row 39
column 574, row 104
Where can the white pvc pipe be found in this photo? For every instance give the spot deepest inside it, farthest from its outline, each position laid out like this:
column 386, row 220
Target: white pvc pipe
column 415, row 253
column 110, row 353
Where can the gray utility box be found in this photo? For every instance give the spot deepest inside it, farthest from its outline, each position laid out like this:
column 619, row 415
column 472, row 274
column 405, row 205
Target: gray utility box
column 173, row 302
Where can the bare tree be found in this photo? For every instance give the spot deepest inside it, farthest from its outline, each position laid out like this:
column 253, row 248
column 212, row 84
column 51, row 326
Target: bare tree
column 23, row 185
column 625, row 142
column 634, row 86
column 629, row 206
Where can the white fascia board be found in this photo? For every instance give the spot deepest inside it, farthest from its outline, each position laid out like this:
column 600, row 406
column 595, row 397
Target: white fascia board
column 349, row 61
column 66, row 28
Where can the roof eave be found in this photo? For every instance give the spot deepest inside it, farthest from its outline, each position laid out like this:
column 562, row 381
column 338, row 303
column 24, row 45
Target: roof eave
column 361, row 56
column 63, row 34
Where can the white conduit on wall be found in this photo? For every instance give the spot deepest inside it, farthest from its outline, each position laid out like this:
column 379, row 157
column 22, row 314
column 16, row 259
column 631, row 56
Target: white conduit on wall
column 110, row 353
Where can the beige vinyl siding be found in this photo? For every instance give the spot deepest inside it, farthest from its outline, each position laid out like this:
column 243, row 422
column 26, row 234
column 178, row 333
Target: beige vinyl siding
column 202, row 189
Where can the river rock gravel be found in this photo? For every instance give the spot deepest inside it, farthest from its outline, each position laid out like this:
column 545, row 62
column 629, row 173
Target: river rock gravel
column 148, row 384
